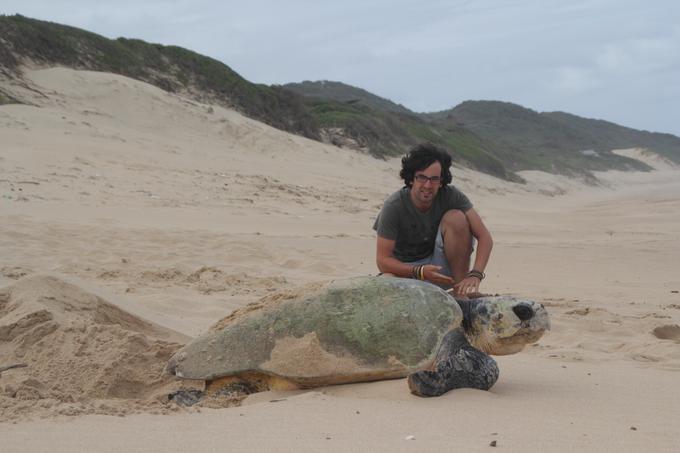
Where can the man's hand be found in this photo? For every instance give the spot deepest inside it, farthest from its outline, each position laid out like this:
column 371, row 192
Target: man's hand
column 467, row 286
column 431, row 274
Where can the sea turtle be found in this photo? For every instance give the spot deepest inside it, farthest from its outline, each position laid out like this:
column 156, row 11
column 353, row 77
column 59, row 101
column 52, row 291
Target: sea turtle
column 364, row 329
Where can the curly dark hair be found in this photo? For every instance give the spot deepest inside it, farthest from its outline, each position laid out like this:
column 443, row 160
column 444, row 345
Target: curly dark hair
column 422, row 156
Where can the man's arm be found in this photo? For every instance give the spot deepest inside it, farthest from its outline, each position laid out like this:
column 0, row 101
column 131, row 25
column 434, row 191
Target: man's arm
column 484, row 246
column 388, row 264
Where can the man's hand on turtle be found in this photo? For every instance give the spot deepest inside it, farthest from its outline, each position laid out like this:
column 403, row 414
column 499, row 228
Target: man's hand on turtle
column 431, row 274
column 468, row 285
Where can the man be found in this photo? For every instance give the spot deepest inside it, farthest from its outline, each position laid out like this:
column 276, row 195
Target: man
column 426, row 229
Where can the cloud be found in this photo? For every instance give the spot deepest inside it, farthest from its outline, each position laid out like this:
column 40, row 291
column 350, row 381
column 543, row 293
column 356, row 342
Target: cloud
column 574, row 80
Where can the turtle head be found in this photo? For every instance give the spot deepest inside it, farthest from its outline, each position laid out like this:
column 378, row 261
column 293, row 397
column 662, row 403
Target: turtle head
column 502, row 325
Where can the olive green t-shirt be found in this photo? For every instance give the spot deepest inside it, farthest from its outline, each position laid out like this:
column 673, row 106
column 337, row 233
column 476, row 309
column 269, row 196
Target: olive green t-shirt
column 414, row 231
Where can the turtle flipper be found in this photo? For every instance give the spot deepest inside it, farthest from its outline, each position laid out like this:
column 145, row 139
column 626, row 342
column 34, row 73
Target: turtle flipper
column 426, row 383
column 186, row 398
column 458, row 365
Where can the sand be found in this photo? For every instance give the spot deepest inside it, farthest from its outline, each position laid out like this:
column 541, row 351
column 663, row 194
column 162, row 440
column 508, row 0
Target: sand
column 132, row 220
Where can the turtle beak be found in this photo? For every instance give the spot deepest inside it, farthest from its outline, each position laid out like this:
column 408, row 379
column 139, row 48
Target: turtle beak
column 540, row 319
column 547, row 318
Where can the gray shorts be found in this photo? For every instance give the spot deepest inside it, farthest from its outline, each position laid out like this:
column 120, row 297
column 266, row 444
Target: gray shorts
column 438, row 257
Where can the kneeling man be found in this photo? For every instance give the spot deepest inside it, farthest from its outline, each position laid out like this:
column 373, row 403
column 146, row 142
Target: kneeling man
column 426, row 229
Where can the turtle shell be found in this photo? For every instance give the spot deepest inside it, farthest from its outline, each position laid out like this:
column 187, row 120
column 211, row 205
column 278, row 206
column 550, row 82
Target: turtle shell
column 349, row 330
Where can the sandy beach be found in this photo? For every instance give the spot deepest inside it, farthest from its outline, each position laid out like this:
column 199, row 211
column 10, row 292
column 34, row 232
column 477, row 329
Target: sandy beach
column 131, row 220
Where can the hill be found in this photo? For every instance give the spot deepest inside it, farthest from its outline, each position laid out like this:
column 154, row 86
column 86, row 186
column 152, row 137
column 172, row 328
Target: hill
column 605, row 135
column 172, row 68
column 384, row 133
column 494, row 137
column 380, row 133
column 353, row 117
column 526, row 139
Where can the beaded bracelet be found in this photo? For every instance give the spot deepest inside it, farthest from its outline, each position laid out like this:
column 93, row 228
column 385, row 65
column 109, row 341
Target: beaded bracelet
column 418, row 272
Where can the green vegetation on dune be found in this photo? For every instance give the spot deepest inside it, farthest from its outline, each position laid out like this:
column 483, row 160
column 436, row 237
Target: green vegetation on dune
column 477, row 154
column 387, row 133
column 389, row 129
column 341, row 92
column 467, row 148
column 379, row 132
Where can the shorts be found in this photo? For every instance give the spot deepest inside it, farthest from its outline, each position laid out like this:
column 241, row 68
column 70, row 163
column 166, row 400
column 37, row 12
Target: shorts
column 438, row 257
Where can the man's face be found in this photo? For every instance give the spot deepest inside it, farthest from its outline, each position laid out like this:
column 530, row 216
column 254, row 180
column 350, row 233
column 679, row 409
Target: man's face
column 424, row 191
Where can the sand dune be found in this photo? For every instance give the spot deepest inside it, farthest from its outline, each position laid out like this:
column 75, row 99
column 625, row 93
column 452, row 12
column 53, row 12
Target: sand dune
column 83, row 355
column 132, row 219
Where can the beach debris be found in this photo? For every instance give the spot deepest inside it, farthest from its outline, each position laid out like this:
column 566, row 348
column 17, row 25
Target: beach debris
column 411, row 437
column 633, row 428
column 9, row 367
column 493, row 443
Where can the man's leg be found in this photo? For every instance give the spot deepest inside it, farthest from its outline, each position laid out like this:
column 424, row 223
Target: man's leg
column 457, row 238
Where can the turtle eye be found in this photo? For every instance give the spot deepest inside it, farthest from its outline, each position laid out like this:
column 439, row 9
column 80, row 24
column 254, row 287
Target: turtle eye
column 523, row 311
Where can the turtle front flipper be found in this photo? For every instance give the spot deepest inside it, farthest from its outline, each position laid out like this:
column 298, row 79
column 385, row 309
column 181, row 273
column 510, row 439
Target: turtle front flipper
column 458, row 365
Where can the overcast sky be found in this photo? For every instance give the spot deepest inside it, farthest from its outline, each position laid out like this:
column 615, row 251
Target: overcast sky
column 617, row 60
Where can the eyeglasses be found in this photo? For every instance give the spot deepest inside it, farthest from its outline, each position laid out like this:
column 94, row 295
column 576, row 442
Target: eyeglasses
column 423, row 179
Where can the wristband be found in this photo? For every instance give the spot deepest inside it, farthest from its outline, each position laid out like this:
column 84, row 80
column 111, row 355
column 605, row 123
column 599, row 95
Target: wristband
column 475, row 273
column 418, row 272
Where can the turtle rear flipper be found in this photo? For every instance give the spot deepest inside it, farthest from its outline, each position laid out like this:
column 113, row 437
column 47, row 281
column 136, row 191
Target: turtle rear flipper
column 186, row 397
column 458, row 365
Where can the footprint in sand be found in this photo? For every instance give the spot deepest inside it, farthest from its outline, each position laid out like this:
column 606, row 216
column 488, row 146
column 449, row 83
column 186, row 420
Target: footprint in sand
column 578, row 311
column 667, row 332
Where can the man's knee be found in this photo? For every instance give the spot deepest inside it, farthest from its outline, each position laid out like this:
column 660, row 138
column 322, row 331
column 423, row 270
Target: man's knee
column 455, row 220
